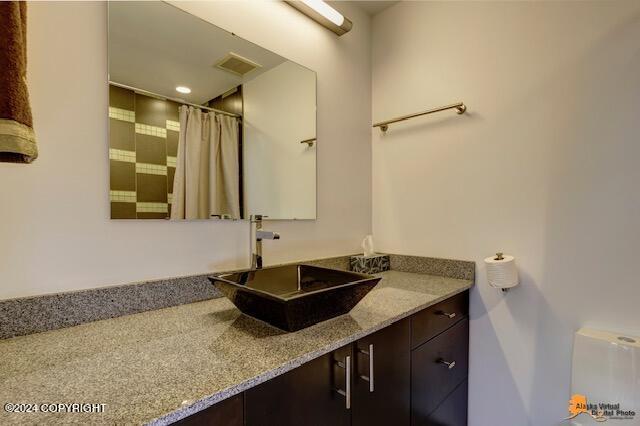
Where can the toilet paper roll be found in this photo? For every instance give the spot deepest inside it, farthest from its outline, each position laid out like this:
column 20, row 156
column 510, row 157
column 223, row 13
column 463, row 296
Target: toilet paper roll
column 502, row 273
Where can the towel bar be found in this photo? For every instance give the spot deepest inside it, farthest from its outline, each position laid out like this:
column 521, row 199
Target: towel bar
column 384, row 125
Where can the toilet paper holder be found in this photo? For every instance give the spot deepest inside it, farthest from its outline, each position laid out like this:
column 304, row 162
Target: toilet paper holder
column 501, row 271
column 500, row 256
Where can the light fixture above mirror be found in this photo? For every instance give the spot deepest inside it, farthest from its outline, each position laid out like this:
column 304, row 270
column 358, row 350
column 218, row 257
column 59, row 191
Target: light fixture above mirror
column 323, row 14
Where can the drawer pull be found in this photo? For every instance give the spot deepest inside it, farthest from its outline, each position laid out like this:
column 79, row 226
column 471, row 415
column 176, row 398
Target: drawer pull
column 347, row 380
column 449, row 365
column 370, row 378
column 446, row 314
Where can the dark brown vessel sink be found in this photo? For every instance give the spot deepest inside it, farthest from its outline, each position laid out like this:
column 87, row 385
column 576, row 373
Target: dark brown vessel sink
column 293, row 297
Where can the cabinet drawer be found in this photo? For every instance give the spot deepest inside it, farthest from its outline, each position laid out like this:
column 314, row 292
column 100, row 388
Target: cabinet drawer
column 453, row 411
column 436, row 319
column 431, row 379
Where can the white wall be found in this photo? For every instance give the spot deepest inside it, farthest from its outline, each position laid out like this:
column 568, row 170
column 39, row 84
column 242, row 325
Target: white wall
column 55, row 232
column 543, row 166
column 280, row 172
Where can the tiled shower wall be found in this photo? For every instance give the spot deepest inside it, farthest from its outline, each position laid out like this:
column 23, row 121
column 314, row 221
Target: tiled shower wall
column 143, row 145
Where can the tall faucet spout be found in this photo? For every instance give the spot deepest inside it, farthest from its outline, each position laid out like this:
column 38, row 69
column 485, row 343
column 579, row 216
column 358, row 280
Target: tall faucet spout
column 257, row 235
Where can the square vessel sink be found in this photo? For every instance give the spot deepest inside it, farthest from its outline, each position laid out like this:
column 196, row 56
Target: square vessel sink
column 293, row 297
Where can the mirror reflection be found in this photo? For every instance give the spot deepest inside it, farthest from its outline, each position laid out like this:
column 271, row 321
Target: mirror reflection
column 204, row 124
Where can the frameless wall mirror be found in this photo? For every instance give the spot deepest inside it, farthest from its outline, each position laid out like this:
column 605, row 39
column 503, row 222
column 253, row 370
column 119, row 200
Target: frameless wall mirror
column 204, row 124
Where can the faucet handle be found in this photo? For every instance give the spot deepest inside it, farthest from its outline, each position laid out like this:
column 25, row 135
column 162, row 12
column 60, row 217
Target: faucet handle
column 257, row 217
column 267, row 235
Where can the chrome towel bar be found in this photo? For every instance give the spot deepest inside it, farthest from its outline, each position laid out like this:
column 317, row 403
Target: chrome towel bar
column 384, row 125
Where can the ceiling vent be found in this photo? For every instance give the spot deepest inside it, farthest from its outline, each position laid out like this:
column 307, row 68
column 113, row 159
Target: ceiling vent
column 236, row 64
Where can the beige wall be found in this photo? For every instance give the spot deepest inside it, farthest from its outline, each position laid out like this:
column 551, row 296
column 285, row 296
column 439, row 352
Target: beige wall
column 54, row 219
column 544, row 166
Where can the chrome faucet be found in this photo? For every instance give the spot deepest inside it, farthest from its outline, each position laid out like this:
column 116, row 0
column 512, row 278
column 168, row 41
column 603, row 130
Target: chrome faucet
column 257, row 235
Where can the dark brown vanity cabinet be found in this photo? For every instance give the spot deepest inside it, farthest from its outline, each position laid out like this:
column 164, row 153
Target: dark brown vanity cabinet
column 432, row 321
column 440, row 363
column 382, row 377
column 413, row 372
column 307, row 395
column 364, row 383
column 451, row 412
column 229, row 412
column 438, row 368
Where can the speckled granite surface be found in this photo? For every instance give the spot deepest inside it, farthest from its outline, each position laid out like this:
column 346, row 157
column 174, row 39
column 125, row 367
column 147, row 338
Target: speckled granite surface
column 159, row 366
column 462, row 269
column 19, row 317
column 49, row 312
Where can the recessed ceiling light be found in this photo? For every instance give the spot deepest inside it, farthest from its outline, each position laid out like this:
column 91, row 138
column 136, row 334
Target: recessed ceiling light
column 183, row 89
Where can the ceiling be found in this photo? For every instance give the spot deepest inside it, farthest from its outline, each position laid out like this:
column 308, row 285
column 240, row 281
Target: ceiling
column 157, row 47
column 373, row 7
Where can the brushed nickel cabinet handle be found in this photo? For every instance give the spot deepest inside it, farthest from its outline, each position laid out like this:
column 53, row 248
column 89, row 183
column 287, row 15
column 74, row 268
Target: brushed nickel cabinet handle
column 370, row 378
column 347, row 380
column 449, row 364
column 446, row 314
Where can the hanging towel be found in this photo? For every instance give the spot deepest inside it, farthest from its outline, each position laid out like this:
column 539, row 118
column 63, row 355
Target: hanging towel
column 17, row 140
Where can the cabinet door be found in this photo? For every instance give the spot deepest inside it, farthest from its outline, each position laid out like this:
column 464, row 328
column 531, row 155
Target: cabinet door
column 225, row 413
column 382, row 377
column 305, row 396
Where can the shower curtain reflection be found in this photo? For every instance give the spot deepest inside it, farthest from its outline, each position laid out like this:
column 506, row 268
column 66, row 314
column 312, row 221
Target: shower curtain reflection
column 206, row 181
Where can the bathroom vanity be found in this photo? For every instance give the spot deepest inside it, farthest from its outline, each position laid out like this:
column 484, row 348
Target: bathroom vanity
column 413, row 371
column 390, row 360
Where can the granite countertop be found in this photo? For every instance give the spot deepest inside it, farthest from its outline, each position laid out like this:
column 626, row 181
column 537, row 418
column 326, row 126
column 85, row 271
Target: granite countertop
column 160, row 366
